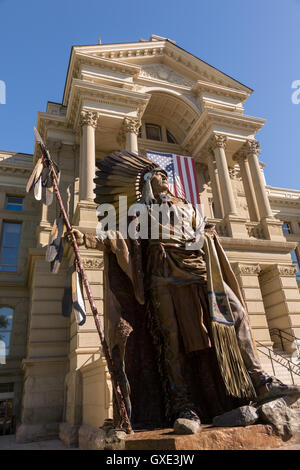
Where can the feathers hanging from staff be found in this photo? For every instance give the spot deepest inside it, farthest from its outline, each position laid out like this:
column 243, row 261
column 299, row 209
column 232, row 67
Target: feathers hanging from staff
column 78, row 302
column 55, row 239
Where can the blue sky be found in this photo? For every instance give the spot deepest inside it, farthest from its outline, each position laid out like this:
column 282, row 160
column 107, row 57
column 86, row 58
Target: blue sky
column 254, row 41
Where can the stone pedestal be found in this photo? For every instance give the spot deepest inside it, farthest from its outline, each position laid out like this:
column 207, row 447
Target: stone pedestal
column 236, row 227
column 85, row 215
column 209, row 438
column 273, row 229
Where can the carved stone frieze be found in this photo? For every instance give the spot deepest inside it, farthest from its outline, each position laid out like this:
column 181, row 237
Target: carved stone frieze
column 234, row 173
column 162, row 72
column 278, row 270
column 92, row 263
column 287, row 270
column 255, row 231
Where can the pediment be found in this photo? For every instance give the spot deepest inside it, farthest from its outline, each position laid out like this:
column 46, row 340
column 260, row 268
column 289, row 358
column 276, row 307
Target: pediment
column 163, row 60
column 162, row 72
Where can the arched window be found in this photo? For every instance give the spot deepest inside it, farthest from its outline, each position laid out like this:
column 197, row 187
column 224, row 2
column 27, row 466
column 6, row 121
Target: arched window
column 153, row 131
column 6, row 319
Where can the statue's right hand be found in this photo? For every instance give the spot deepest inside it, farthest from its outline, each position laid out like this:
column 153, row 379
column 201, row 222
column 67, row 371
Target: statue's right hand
column 78, row 236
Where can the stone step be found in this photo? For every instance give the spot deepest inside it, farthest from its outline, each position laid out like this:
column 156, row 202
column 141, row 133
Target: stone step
column 209, row 438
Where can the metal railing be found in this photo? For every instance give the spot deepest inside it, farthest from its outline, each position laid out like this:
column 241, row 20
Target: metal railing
column 289, row 337
column 277, row 358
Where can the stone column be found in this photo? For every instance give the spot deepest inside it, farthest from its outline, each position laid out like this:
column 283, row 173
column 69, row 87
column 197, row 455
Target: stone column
column 215, row 186
column 241, row 158
column 129, row 132
column 88, row 121
column 263, row 203
column 218, row 146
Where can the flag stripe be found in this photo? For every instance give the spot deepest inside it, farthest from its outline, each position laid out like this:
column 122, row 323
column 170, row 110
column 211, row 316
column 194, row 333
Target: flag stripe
column 193, row 179
column 196, row 181
column 187, row 169
column 182, row 178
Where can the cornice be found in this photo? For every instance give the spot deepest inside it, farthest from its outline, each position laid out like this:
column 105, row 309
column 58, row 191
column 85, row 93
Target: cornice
column 103, row 94
column 210, row 117
column 220, row 90
column 163, row 48
column 105, row 64
column 11, row 168
column 282, row 196
column 143, row 52
column 257, row 245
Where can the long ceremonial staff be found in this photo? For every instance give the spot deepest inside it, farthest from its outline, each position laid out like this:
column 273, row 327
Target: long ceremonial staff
column 116, row 386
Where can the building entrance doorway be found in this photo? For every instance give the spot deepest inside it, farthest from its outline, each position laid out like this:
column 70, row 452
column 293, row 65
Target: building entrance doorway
column 6, row 417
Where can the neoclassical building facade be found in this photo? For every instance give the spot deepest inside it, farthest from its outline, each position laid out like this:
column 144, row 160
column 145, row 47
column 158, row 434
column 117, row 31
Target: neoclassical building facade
column 147, row 95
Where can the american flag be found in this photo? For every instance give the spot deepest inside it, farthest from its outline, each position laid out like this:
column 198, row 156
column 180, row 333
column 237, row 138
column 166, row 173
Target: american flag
column 182, row 174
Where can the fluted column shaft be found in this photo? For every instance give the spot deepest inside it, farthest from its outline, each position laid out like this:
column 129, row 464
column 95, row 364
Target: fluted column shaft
column 263, row 202
column 214, row 178
column 87, row 165
column 242, row 159
column 218, row 146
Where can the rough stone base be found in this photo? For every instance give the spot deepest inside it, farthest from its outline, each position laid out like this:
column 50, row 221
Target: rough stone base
column 209, row 438
column 36, row 432
column 68, row 434
column 91, row 438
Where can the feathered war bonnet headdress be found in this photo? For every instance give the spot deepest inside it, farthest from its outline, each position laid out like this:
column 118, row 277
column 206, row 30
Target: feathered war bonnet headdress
column 124, row 174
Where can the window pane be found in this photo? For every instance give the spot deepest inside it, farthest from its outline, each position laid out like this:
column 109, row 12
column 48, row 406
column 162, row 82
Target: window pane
column 153, row 132
column 170, row 138
column 14, row 203
column 286, row 228
column 8, row 269
column 5, row 338
column 9, row 256
column 11, row 234
column 6, row 317
column 296, row 262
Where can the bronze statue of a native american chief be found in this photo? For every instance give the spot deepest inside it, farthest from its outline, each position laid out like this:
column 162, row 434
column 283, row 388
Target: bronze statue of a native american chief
column 175, row 319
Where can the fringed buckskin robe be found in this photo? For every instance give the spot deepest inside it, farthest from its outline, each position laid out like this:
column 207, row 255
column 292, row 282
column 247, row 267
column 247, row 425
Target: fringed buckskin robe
column 139, row 278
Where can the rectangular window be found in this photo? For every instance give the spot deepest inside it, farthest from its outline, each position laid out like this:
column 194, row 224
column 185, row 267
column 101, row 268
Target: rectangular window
column 14, row 203
column 296, row 262
column 6, row 319
column 10, row 242
column 286, row 227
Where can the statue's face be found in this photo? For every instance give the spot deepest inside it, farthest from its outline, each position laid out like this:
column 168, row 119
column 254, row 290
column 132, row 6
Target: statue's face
column 159, row 183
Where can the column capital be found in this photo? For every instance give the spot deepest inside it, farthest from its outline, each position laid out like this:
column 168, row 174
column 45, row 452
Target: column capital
column 218, row 141
column 246, row 269
column 89, row 118
column 252, row 147
column 131, row 125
